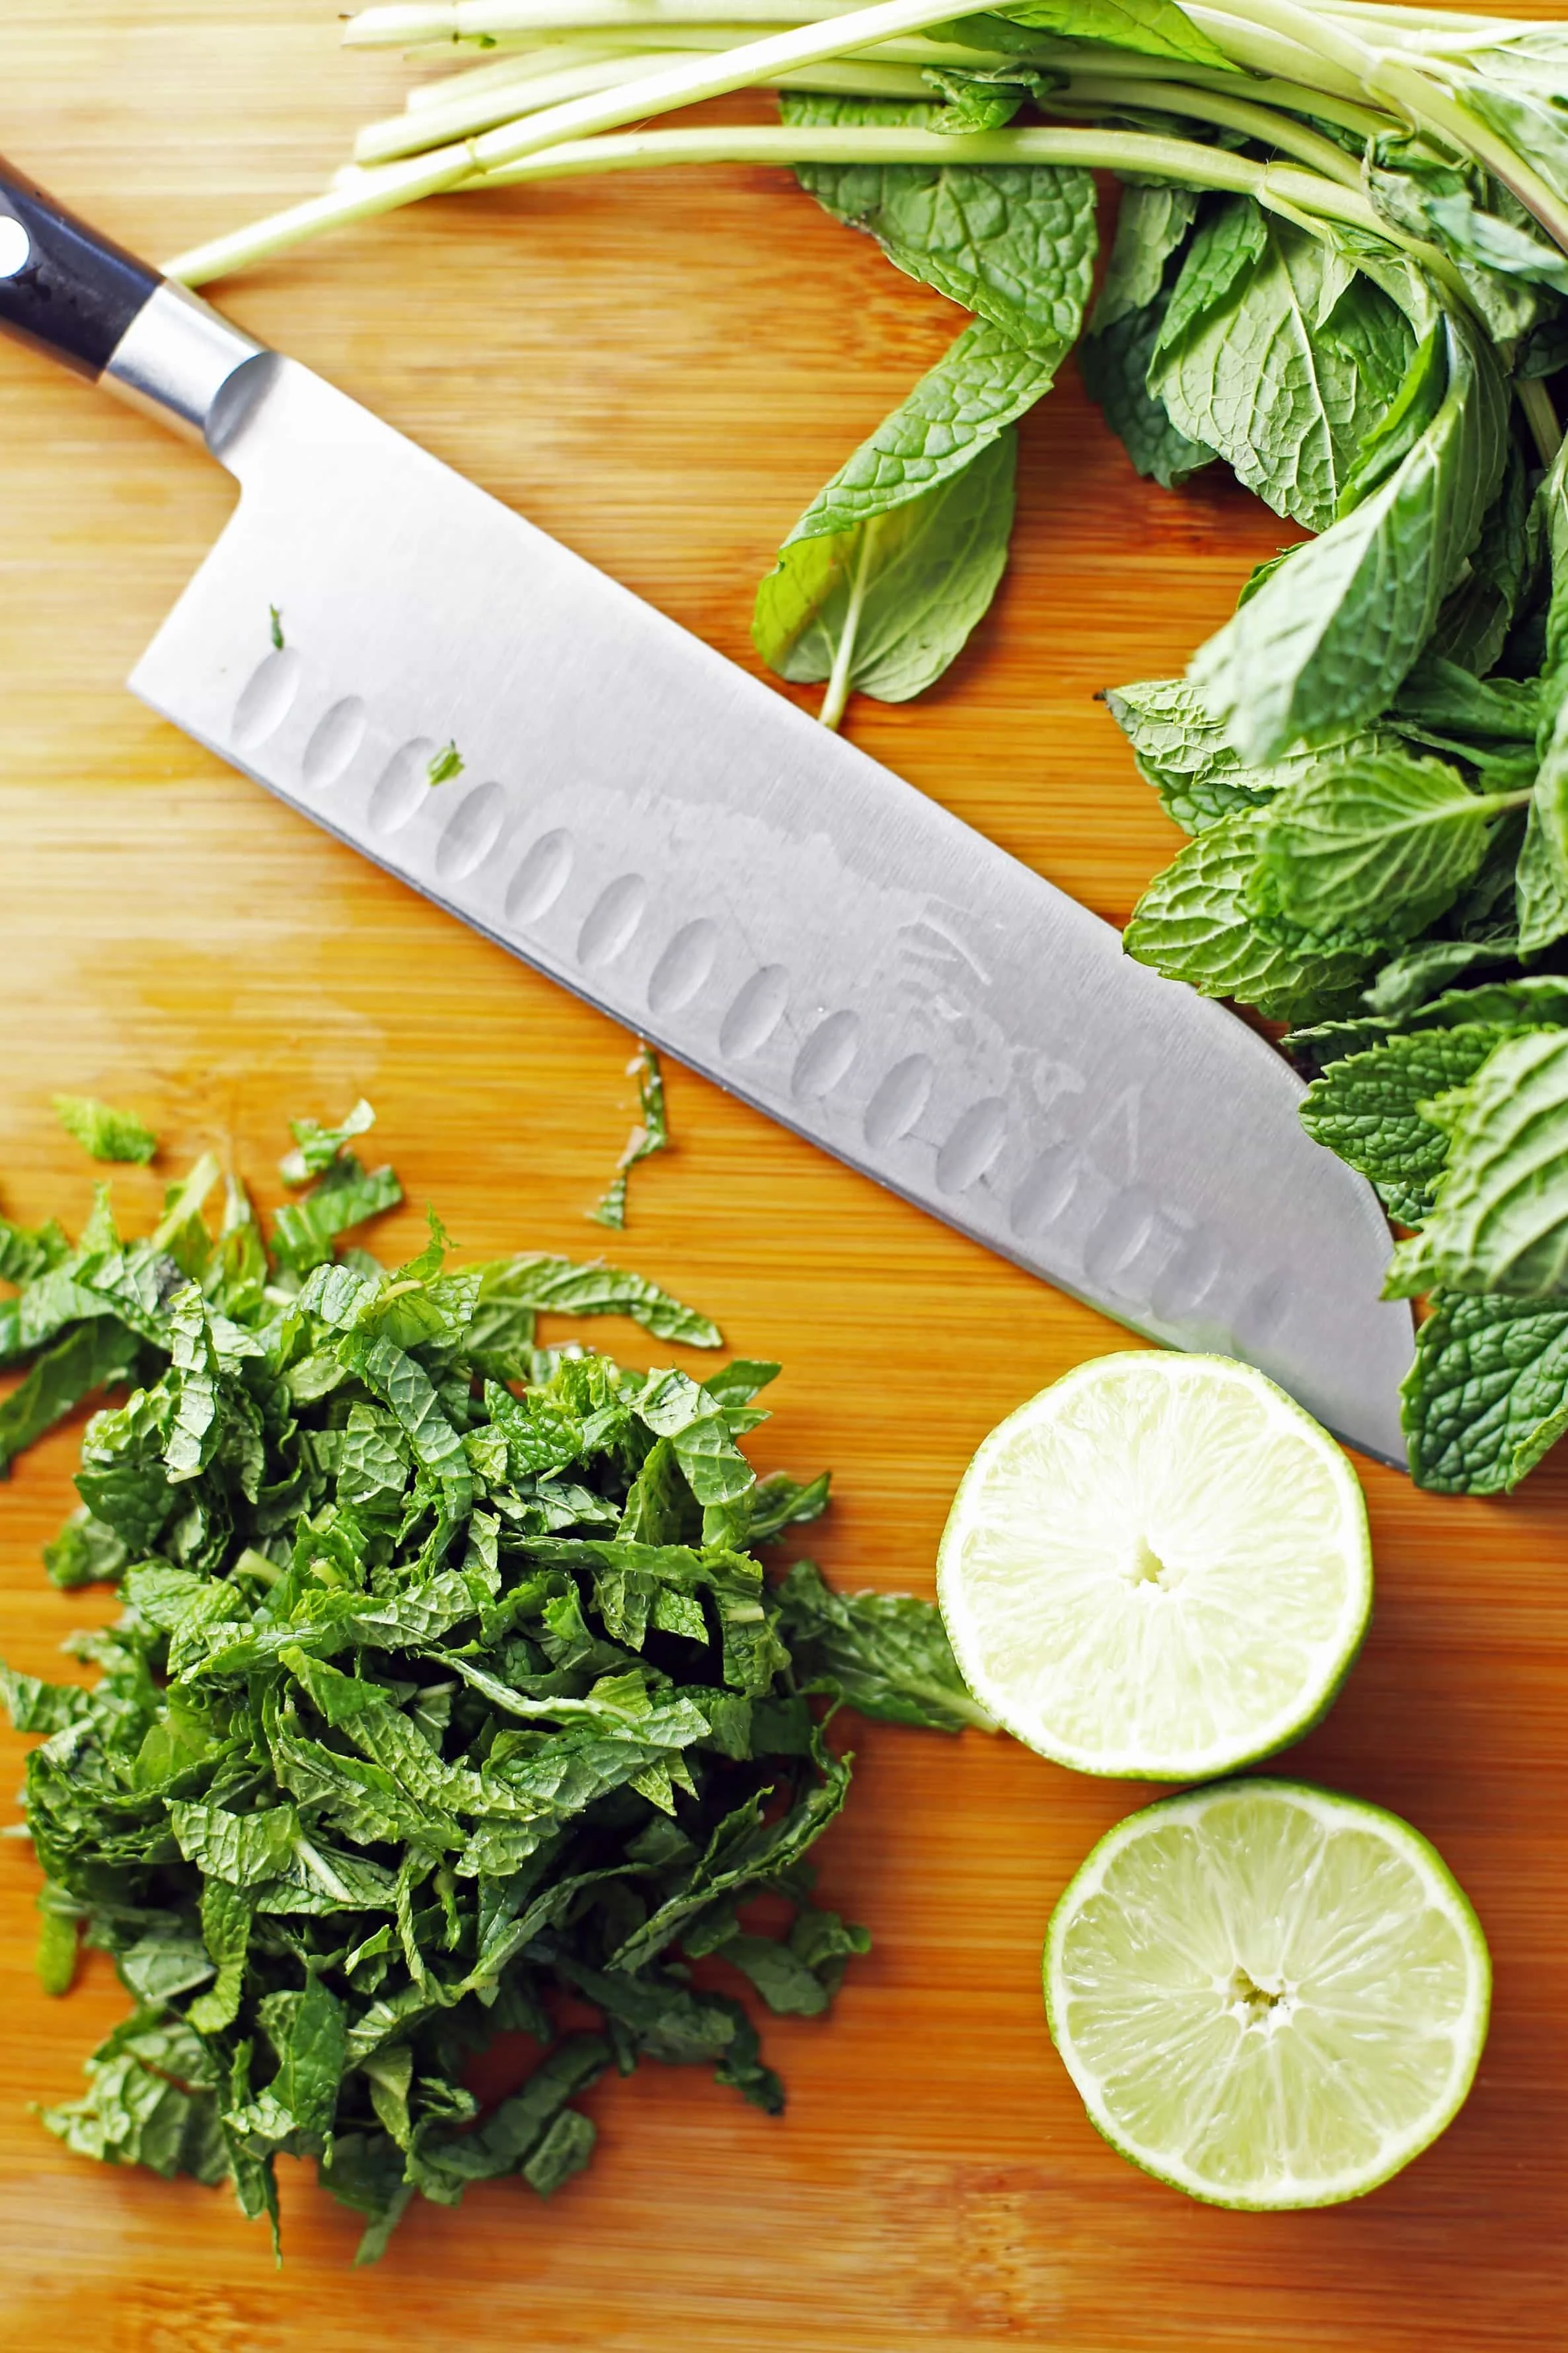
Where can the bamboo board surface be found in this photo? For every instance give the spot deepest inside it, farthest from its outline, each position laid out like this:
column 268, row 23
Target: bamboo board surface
column 662, row 371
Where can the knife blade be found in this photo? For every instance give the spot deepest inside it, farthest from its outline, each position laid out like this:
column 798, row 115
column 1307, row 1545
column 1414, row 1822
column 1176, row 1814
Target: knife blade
column 661, row 834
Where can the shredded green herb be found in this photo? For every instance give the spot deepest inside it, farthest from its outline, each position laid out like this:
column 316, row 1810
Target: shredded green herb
column 651, row 1136
column 107, row 1133
column 448, row 1687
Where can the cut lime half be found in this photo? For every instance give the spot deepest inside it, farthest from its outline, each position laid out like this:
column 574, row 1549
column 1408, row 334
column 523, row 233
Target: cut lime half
column 1159, row 1568
column 1268, row 1995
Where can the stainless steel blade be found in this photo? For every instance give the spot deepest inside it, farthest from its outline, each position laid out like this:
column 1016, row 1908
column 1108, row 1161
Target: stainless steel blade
column 658, row 832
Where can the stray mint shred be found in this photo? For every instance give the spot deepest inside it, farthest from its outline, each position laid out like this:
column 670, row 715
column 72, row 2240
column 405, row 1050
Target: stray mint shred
column 446, row 766
column 107, row 1133
column 276, row 628
column 651, row 1136
column 448, row 1685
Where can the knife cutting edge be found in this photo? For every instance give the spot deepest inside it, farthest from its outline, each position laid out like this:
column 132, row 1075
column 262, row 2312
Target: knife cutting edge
column 663, row 835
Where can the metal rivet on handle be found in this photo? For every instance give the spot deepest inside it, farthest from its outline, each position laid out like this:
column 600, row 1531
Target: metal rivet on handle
column 16, row 246
column 825, row 1056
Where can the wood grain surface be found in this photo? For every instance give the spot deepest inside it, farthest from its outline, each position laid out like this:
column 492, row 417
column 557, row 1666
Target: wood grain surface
column 662, row 371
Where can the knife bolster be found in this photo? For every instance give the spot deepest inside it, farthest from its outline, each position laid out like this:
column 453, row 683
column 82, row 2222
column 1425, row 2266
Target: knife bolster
column 176, row 359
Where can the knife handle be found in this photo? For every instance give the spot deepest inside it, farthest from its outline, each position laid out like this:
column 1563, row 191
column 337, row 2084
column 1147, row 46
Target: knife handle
column 75, row 295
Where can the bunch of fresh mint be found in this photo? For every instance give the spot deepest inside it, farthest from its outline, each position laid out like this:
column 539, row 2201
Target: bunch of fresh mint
column 1401, row 895
column 448, row 1688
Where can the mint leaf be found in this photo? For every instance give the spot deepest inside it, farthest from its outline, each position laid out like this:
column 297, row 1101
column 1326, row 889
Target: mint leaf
column 1192, row 924
column 1014, row 244
column 652, row 1136
column 886, row 606
column 981, row 383
column 1327, row 640
column 1374, row 844
column 1500, row 1220
column 1152, row 28
column 1367, row 1108
column 1487, row 1393
column 107, row 1133
column 1248, row 362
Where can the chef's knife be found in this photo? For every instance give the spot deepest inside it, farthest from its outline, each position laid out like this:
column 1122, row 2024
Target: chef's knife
column 658, row 832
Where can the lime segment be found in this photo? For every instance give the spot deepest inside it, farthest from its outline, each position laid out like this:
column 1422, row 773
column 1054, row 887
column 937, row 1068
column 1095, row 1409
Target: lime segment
column 1158, row 1568
column 1268, row 1995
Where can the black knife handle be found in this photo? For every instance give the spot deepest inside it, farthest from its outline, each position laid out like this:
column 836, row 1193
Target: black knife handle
column 88, row 303
column 63, row 288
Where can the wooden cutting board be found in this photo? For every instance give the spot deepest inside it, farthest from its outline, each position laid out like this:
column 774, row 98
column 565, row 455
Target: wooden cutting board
column 662, row 371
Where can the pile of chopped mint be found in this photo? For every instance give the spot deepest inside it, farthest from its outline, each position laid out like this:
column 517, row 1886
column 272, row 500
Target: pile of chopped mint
column 449, row 1690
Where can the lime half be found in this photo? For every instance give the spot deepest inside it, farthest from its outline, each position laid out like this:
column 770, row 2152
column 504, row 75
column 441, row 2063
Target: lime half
column 1268, row 1995
column 1159, row 1568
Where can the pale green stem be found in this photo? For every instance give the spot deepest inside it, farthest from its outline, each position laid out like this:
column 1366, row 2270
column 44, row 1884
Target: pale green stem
column 1535, row 405
column 554, row 54
column 1261, row 51
column 1433, row 109
column 403, row 134
column 680, row 85
column 468, row 20
column 837, row 694
column 1258, row 122
column 766, row 142
column 1324, row 37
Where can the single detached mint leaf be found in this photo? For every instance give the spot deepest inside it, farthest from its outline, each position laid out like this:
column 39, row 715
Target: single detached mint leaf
column 886, row 606
column 446, row 766
column 1192, row 924
column 1367, row 1108
column 1329, row 639
column 1487, row 1393
column 1377, row 844
column 1500, row 1220
column 107, row 1133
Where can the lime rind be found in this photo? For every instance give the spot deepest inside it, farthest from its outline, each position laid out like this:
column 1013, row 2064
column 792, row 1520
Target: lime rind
column 1344, row 2088
column 1258, row 1465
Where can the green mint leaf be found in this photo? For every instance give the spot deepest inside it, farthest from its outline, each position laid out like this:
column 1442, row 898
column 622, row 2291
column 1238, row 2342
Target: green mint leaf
column 1013, row 243
column 1500, row 1220
column 107, row 1133
column 1328, row 639
column 1376, row 845
column 885, row 1655
column 316, row 1147
column 446, row 766
column 886, row 607
column 1156, row 28
column 652, row 1136
column 1185, row 756
column 981, row 383
column 1192, row 924
column 1367, row 1108
column 1487, row 1393
column 92, row 1356
column 275, row 628
column 1250, row 362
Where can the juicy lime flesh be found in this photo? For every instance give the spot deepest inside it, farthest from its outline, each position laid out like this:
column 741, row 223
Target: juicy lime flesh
column 1160, row 1566
column 1267, row 1995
